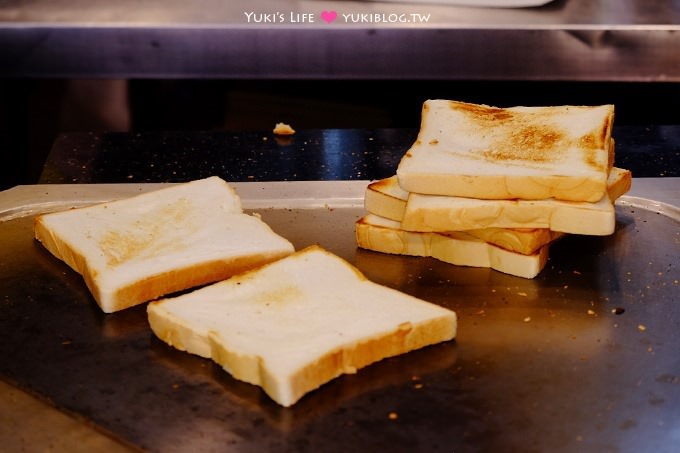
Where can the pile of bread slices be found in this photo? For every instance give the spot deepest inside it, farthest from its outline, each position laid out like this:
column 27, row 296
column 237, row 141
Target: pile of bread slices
column 494, row 187
column 223, row 285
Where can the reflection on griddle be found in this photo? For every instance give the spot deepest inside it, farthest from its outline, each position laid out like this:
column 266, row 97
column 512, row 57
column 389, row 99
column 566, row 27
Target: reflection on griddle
column 405, row 371
column 65, row 283
column 577, row 262
column 67, row 287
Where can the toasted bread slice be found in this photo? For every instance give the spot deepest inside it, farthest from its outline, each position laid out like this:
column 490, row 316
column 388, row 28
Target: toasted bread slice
column 532, row 153
column 133, row 250
column 295, row 324
column 459, row 248
column 436, row 213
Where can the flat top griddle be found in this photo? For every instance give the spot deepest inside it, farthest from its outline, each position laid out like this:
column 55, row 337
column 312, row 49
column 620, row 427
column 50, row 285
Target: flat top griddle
column 582, row 358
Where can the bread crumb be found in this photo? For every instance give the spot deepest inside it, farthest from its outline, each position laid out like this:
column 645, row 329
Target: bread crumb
column 393, row 416
column 642, row 327
column 527, row 319
column 283, row 129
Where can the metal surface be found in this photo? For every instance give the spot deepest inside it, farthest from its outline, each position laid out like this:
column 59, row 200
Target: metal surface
column 582, row 358
column 609, row 40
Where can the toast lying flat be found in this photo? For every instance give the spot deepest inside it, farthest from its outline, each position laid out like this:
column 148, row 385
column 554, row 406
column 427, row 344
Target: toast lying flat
column 533, row 153
column 134, row 250
column 433, row 213
column 297, row 323
column 459, row 248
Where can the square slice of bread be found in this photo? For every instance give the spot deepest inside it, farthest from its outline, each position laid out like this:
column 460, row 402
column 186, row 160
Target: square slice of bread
column 137, row 249
column 533, row 153
column 428, row 213
column 292, row 325
column 459, row 248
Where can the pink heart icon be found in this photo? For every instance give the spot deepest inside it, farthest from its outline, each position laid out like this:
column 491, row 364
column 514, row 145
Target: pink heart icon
column 329, row 16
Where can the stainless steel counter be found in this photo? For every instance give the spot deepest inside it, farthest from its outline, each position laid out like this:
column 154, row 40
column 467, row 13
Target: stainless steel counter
column 609, row 40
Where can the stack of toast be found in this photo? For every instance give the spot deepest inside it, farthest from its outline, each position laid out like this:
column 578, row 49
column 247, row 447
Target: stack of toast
column 494, row 187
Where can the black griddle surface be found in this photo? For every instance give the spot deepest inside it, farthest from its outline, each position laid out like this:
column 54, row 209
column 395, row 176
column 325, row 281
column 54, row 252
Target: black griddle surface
column 585, row 357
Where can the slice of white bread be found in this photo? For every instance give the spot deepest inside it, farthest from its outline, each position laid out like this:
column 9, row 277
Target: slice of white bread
column 428, row 213
column 480, row 151
column 134, row 250
column 459, row 248
column 294, row 324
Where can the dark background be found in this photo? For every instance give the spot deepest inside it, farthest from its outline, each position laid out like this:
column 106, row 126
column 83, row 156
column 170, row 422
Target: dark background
column 33, row 112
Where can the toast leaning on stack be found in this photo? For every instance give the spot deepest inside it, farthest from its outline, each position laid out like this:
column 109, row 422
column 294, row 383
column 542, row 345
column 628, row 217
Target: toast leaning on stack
column 134, row 250
column 292, row 325
column 494, row 187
